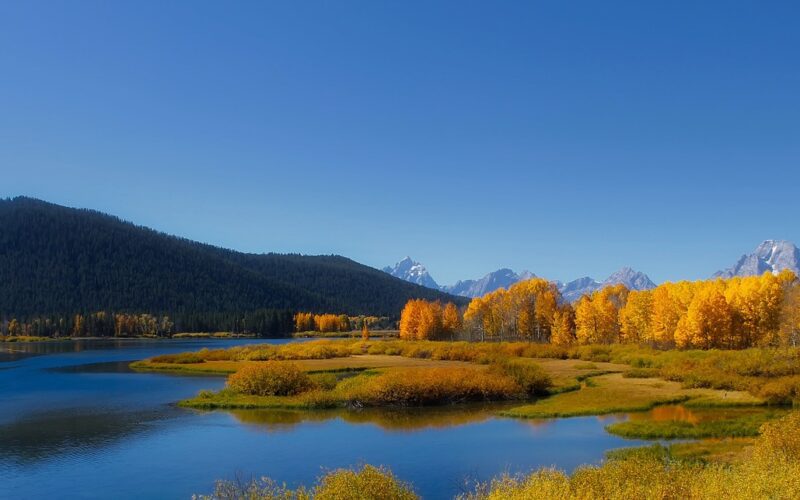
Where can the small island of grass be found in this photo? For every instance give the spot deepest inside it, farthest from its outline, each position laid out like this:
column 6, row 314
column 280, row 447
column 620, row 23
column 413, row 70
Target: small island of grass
column 547, row 382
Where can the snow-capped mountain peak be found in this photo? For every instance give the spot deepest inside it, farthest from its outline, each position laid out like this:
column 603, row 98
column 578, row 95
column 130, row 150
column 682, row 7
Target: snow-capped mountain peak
column 771, row 255
column 409, row 270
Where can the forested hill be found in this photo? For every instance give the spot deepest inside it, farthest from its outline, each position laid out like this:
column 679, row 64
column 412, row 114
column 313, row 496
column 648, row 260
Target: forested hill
column 59, row 260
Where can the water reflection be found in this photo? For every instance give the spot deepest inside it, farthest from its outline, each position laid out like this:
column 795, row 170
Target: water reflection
column 680, row 413
column 64, row 432
column 392, row 420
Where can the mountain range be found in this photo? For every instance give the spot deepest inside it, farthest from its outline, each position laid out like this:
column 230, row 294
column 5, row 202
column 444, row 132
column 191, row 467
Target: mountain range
column 60, row 260
column 770, row 256
column 415, row 272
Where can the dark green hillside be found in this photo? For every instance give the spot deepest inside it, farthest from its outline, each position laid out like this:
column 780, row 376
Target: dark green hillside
column 59, row 260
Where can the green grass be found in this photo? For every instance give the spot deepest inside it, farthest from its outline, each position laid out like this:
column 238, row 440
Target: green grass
column 742, row 426
column 614, row 393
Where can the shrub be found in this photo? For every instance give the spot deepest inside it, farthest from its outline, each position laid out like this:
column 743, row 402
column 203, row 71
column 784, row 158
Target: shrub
column 531, row 377
column 785, row 390
column 640, row 373
column 272, row 378
column 366, row 483
column 324, row 381
column 182, row 358
column 216, row 354
column 425, row 386
column 780, row 439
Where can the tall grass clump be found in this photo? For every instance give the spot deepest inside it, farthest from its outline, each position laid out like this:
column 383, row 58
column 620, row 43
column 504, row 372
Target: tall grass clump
column 365, row 483
column 180, row 359
column 431, row 386
column 272, row 378
column 530, row 377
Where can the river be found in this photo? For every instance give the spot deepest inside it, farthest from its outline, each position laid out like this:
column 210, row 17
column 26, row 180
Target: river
column 75, row 422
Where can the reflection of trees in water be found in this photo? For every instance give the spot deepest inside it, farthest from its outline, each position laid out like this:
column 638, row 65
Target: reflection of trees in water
column 680, row 413
column 43, row 436
column 391, row 419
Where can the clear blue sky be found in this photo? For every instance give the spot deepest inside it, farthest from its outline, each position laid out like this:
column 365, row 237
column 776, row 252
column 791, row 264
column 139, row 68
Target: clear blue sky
column 568, row 138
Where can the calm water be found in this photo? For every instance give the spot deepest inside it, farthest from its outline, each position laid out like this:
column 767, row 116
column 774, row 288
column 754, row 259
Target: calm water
column 76, row 423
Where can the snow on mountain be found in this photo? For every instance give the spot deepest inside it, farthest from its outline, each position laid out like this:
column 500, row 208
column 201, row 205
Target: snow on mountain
column 411, row 271
column 502, row 278
column 632, row 279
column 771, row 255
column 575, row 289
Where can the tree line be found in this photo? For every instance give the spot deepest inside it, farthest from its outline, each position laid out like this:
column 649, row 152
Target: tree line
column 262, row 323
column 734, row 313
column 310, row 322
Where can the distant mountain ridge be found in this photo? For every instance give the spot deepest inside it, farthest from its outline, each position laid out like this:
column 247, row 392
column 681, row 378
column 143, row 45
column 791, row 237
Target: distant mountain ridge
column 502, row 278
column 770, row 256
column 415, row 272
column 633, row 280
column 61, row 260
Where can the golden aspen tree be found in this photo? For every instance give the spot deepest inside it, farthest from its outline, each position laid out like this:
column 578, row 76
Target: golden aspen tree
column 790, row 316
column 474, row 317
column 364, row 331
column 597, row 315
column 451, row 320
column 708, row 320
column 563, row 328
column 410, row 319
column 587, row 326
column 667, row 311
column 635, row 318
column 431, row 323
column 78, row 326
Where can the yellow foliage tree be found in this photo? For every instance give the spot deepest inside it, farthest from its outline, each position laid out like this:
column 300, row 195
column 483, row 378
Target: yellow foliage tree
column 451, row 320
column 635, row 318
column 708, row 320
column 563, row 329
column 597, row 315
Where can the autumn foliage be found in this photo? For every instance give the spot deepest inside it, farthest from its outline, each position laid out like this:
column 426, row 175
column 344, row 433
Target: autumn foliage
column 528, row 310
column 308, row 322
column 423, row 320
column 272, row 378
column 735, row 313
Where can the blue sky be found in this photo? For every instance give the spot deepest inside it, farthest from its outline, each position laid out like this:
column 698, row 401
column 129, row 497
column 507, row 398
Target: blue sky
column 568, row 138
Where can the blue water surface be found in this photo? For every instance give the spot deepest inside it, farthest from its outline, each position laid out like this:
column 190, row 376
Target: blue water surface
column 75, row 422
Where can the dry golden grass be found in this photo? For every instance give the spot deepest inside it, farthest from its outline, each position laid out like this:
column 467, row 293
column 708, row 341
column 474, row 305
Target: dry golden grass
column 359, row 362
column 614, row 393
